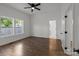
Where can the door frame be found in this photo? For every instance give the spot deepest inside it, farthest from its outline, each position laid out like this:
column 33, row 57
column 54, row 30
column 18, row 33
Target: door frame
column 70, row 8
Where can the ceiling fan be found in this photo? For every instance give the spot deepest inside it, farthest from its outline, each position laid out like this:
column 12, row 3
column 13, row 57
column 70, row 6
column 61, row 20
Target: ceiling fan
column 33, row 6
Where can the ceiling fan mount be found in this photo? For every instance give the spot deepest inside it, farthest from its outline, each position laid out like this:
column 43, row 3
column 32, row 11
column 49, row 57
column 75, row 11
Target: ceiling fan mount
column 33, row 6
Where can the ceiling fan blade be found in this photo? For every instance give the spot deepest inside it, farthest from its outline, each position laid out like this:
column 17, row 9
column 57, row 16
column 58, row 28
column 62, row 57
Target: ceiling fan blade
column 30, row 4
column 31, row 10
column 37, row 4
column 26, row 7
column 37, row 8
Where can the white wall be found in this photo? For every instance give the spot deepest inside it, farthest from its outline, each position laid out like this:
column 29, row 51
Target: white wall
column 40, row 20
column 76, row 26
column 11, row 12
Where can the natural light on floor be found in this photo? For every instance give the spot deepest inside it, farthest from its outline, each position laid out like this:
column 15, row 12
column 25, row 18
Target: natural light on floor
column 18, row 49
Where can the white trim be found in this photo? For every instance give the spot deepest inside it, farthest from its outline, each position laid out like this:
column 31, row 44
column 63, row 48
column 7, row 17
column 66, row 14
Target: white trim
column 10, row 35
column 6, row 35
column 13, row 28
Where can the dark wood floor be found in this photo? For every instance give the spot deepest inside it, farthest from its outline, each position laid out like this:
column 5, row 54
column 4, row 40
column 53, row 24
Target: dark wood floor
column 33, row 46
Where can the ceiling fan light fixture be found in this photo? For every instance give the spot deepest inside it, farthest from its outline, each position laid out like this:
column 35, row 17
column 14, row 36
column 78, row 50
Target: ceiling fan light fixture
column 33, row 8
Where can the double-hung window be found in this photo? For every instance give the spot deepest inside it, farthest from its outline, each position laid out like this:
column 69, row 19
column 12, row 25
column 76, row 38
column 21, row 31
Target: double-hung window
column 10, row 26
column 6, row 26
column 18, row 26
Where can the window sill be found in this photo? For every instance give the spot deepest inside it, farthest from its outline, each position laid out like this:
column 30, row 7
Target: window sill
column 10, row 35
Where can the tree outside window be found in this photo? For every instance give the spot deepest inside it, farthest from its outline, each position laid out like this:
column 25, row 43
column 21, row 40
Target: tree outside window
column 6, row 26
column 10, row 26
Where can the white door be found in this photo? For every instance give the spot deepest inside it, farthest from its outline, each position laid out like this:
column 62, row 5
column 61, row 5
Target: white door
column 69, row 32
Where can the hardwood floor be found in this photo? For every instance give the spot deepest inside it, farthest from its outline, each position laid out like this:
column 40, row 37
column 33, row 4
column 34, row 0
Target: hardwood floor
column 33, row 46
column 55, row 48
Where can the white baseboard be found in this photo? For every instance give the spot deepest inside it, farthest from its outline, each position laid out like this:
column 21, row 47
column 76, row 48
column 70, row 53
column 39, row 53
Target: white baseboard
column 40, row 36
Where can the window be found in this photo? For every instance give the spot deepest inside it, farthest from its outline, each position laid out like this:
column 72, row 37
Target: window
column 10, row 26
column 18, row 26
column 6, row 26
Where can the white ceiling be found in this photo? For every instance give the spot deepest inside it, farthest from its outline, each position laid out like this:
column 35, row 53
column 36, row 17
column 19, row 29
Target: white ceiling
column 45, row 7
column 20, row 7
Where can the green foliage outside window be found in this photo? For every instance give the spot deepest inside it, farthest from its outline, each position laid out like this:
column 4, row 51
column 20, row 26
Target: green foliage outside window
column 5, row 22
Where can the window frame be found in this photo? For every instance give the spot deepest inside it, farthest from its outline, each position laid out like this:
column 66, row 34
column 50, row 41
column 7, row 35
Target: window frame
column 21, row 27
column 13, row 27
